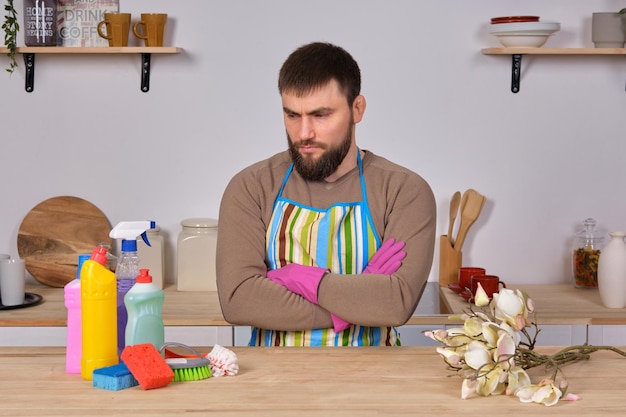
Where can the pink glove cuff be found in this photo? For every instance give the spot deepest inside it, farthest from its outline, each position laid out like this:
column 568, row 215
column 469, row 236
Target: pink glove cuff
column 387, row 259
column 339, row 324
column 300, row 279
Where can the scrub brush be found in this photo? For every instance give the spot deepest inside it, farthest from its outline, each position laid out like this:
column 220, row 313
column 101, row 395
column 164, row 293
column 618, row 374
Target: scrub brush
column 187, row 368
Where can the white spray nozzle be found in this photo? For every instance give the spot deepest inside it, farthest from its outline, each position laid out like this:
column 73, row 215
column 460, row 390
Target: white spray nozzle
column 131, row 230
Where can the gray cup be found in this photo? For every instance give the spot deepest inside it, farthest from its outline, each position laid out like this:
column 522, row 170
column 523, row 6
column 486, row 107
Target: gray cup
column 12, row 281
column 608, row 30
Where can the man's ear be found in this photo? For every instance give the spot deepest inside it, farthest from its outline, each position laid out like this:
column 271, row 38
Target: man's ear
column 358, row 108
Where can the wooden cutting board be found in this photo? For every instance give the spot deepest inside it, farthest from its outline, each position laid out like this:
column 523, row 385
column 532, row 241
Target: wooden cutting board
column 55, row 232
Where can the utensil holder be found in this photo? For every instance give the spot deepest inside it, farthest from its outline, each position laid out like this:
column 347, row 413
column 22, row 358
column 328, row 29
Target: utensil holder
column 450, row 261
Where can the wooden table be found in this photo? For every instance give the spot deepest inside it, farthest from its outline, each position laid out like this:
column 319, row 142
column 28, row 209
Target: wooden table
column 555, row 304
column 374, row 381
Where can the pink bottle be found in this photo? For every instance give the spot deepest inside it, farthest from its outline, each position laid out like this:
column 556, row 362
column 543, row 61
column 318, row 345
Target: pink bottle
column 73, row 350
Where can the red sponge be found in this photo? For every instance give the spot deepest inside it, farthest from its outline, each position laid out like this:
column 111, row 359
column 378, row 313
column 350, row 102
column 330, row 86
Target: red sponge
column 147, row 365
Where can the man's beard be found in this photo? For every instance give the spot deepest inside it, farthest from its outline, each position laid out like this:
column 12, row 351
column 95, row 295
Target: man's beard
column 326, row 164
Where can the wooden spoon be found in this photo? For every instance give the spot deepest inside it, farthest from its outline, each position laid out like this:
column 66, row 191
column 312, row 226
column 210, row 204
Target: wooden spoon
column 455, row 201
column 469, row 214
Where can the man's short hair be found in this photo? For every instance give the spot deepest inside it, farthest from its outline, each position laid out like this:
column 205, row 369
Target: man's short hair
column 314, row 65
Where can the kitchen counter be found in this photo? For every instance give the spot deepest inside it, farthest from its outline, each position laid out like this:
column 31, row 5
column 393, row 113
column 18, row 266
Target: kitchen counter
column 179, row 309
column 189, row 308
column 350, row 381
column 554, row 304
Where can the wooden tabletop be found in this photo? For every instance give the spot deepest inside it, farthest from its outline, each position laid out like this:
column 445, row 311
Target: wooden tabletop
column 350, row 381
column 555, row 304
column 180, row 308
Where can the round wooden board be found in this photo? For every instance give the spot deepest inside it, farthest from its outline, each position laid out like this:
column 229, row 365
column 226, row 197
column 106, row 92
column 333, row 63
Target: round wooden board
column 55, row 232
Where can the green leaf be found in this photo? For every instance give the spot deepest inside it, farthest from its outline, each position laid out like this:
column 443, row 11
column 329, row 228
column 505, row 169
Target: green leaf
column 11, row 28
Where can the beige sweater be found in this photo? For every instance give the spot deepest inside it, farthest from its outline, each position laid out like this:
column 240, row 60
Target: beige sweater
column 402, row 207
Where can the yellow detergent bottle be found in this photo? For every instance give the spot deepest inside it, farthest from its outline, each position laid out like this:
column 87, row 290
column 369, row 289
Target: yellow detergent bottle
column 98, row 295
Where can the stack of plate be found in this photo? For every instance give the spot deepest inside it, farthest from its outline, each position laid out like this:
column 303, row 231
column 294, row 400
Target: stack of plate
column 522, row 31
column 514, row 19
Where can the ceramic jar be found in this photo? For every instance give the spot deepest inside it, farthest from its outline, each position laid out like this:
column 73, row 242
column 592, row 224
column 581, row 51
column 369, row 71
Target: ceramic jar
column 612, row 272
column 196, row 255
column 608, row 30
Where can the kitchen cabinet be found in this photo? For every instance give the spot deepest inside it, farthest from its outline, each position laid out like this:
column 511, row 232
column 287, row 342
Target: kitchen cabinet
column 193, row 318
column 565, row 314
column 556, row 304
column 29, row 53
column 190, row 317
column 517, row 53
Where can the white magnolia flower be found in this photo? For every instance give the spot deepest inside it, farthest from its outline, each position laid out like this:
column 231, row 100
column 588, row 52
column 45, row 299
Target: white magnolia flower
column 512, row 308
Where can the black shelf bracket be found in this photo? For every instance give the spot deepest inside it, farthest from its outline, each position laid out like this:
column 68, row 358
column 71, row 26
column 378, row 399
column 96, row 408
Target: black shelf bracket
column 516, row 71
column 145, row 72
column 29, row 63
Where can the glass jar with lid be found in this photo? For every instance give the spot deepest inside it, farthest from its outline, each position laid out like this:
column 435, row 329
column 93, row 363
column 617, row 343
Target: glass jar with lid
column 585, row 255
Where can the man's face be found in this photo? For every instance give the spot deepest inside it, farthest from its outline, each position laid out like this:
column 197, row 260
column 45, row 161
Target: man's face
column 320, row 129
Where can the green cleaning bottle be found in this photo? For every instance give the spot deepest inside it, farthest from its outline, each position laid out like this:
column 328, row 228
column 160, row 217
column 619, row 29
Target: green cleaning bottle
column 144, row 304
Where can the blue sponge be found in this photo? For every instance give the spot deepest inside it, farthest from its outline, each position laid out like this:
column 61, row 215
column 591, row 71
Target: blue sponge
column 114, row 378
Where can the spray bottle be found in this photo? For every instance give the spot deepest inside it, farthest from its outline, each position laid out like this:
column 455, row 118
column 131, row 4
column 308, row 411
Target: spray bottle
column 98, row 314
column 73, row 348
column 144, row 303
column 127, row 269
column 151, row 257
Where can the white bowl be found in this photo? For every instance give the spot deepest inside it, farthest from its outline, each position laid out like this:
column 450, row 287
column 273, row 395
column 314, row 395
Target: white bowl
column 526, row 32
column 513, row 27
column 522, row 40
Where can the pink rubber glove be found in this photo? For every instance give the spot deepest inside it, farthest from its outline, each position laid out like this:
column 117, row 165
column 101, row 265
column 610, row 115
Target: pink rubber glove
column 339, row 324
column 387, row 259
column 301, row 279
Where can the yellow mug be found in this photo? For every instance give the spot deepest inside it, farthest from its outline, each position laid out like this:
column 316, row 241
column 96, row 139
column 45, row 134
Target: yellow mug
column 117, row 27
column 153, row 25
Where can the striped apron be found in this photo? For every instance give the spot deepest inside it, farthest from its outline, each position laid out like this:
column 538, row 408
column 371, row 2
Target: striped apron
column 341, row 238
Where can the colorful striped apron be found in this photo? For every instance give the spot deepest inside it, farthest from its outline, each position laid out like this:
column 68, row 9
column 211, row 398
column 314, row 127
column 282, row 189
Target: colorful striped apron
column 341, row 238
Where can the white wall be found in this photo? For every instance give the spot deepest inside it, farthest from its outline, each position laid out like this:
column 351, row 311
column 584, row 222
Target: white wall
column 546, row 158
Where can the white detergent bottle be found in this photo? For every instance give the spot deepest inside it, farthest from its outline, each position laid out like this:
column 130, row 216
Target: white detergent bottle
column 144, row 303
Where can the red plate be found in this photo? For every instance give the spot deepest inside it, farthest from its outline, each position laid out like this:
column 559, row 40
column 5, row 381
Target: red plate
column 455, row 287
column 515, row 21
column 509, row 19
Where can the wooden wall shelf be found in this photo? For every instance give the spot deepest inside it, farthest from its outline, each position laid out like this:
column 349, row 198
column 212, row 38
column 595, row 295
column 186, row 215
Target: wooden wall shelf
column 554, row 51
column 516, row 57
column 29, row 53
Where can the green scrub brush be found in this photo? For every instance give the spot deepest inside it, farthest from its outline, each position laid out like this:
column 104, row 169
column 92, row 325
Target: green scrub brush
column 187, row 368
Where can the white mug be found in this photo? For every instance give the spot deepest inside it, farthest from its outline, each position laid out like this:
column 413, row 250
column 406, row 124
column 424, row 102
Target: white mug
column 12, row 281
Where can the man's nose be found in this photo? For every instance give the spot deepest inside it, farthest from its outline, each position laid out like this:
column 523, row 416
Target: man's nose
column 306, row 129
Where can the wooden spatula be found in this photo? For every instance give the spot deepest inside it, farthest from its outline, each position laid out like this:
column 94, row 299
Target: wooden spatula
column 455, row 201
column 469, row 213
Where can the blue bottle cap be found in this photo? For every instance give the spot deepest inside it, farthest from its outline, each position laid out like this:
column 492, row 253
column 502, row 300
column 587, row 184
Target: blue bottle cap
column 81, row 259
